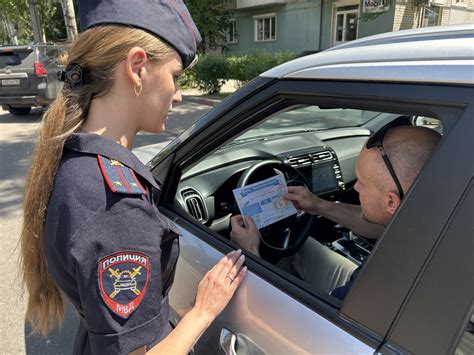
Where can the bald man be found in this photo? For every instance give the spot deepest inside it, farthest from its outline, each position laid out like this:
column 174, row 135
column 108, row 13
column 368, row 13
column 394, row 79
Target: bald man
column 407, row 149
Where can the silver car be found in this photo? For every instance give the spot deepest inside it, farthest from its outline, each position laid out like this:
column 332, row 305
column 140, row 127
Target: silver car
column 309, row 118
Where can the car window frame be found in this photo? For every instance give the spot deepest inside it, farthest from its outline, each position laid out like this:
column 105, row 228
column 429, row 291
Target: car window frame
column 450, row 214
column 274, row 93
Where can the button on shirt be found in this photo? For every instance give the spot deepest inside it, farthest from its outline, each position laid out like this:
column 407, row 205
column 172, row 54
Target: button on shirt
column 111, row 253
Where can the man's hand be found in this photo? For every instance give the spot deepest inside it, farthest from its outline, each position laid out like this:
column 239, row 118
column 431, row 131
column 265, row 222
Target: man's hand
column 246, row 237
column 304, row 199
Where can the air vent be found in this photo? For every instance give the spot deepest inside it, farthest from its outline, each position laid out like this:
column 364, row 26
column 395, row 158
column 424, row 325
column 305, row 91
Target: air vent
column 320, row 156
column 194, row 204
column 301, row 160
column 309, row 159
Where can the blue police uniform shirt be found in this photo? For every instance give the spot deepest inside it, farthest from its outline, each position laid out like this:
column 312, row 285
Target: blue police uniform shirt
column 108, row 248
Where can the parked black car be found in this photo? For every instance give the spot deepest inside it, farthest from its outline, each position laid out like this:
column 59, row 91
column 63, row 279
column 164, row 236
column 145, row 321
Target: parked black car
column 28, row 76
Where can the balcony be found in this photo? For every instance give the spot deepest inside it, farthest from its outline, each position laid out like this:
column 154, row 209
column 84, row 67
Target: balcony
column 247, row 4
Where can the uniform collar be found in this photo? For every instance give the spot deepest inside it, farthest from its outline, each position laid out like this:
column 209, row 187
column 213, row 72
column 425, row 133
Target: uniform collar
column 95, row 144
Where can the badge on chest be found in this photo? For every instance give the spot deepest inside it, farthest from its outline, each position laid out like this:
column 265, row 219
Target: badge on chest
column 123, row 279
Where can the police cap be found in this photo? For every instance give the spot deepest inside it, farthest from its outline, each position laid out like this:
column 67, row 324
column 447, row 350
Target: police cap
column 170, row 20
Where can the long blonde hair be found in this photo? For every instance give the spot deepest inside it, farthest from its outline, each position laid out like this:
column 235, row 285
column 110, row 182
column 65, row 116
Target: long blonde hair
column 99, row 50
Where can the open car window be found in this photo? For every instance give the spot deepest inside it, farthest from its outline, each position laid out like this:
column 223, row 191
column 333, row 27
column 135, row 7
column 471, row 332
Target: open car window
column 310, row 145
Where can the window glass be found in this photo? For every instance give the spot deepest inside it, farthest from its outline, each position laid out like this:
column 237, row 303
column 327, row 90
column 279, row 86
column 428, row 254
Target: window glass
column 431, row 16
column 260, row 29
column 351, row 26
column 265, row 28
column 12, row 58
column 345, row 23
column 466, row 344
column 314, row 145
column 232, row 32
column 273, row 28
column 309, row 118
column 339, row 27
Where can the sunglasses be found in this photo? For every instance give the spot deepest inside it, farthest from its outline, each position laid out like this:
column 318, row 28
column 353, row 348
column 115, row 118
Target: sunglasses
column 376, row 141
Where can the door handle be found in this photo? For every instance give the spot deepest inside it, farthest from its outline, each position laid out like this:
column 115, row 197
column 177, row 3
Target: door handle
column 227, row 342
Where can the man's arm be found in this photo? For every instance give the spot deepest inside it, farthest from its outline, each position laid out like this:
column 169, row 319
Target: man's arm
column 349, row 216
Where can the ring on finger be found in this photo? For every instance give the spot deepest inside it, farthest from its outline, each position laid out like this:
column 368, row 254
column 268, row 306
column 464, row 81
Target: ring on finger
column 230, row 278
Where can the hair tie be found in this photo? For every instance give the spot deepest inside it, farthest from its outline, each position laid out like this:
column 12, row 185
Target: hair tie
column 73, row 75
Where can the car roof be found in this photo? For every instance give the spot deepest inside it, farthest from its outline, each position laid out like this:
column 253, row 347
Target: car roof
column 443, row 54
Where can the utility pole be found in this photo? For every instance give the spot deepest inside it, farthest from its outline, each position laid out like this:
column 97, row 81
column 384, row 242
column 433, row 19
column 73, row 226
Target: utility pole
column 35, row 21
column 69, row 19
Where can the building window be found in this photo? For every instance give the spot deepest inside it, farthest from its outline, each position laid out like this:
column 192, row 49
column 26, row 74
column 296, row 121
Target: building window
column 460, row 2
column 346, row 20
column 265, row 27
column 232, row 32
column 431, row 16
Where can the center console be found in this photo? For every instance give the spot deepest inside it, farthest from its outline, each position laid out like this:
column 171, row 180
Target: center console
column 353, row 247
column 320, row 168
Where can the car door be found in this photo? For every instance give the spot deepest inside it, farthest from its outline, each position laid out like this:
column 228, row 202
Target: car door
column 271, row 312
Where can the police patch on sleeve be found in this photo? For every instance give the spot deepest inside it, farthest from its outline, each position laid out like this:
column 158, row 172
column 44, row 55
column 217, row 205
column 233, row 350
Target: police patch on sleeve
column 123, row 278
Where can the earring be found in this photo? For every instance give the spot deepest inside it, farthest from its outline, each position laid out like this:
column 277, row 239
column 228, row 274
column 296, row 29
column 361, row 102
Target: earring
column 139, row 90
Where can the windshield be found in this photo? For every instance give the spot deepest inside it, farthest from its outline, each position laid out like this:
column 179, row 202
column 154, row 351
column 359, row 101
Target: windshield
column 309, row 118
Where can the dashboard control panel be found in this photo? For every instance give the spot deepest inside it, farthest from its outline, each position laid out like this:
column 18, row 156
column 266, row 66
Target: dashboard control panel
column 320, row 168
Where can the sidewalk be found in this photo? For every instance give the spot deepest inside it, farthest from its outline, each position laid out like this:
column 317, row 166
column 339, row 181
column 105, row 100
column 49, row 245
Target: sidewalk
column 198, row 97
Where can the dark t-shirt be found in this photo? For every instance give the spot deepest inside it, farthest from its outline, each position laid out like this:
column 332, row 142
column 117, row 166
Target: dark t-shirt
column 109, row 249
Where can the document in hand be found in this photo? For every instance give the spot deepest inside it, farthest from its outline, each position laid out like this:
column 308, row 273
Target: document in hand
column 263, row 201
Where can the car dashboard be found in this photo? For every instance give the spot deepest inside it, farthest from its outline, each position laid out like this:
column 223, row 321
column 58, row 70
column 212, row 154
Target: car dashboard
column 326, row 159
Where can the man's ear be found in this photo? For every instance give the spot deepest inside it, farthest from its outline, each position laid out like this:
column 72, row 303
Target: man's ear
column 393, row 201
column 135, row 65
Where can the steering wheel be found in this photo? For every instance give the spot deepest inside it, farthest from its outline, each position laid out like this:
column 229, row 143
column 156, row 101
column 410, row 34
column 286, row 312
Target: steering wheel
column 287, row 235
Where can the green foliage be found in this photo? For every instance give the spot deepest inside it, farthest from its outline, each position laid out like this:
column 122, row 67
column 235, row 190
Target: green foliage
column 210, row 73
column 55, row 29
column 16, row 12
column 186, row 79
column 212, row 19
column 246, row 67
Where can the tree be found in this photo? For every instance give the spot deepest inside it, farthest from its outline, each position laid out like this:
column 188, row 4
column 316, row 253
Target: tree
column 16, row 12
column 212, row 19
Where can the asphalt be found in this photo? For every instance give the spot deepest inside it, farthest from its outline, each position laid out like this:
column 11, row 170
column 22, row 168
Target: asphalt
column 17, row 140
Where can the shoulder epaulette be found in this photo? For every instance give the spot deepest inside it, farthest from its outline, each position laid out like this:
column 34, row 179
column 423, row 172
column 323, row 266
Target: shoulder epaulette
column 120, row 177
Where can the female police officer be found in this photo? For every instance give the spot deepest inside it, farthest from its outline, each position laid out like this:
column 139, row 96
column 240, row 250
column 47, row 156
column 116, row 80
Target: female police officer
column 91, row 230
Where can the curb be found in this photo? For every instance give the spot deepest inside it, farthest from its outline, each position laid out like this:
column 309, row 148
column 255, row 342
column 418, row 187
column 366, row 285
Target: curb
column 200, row 100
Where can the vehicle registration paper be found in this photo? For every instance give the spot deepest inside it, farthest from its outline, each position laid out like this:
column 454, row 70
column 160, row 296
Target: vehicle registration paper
column 263, row 201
